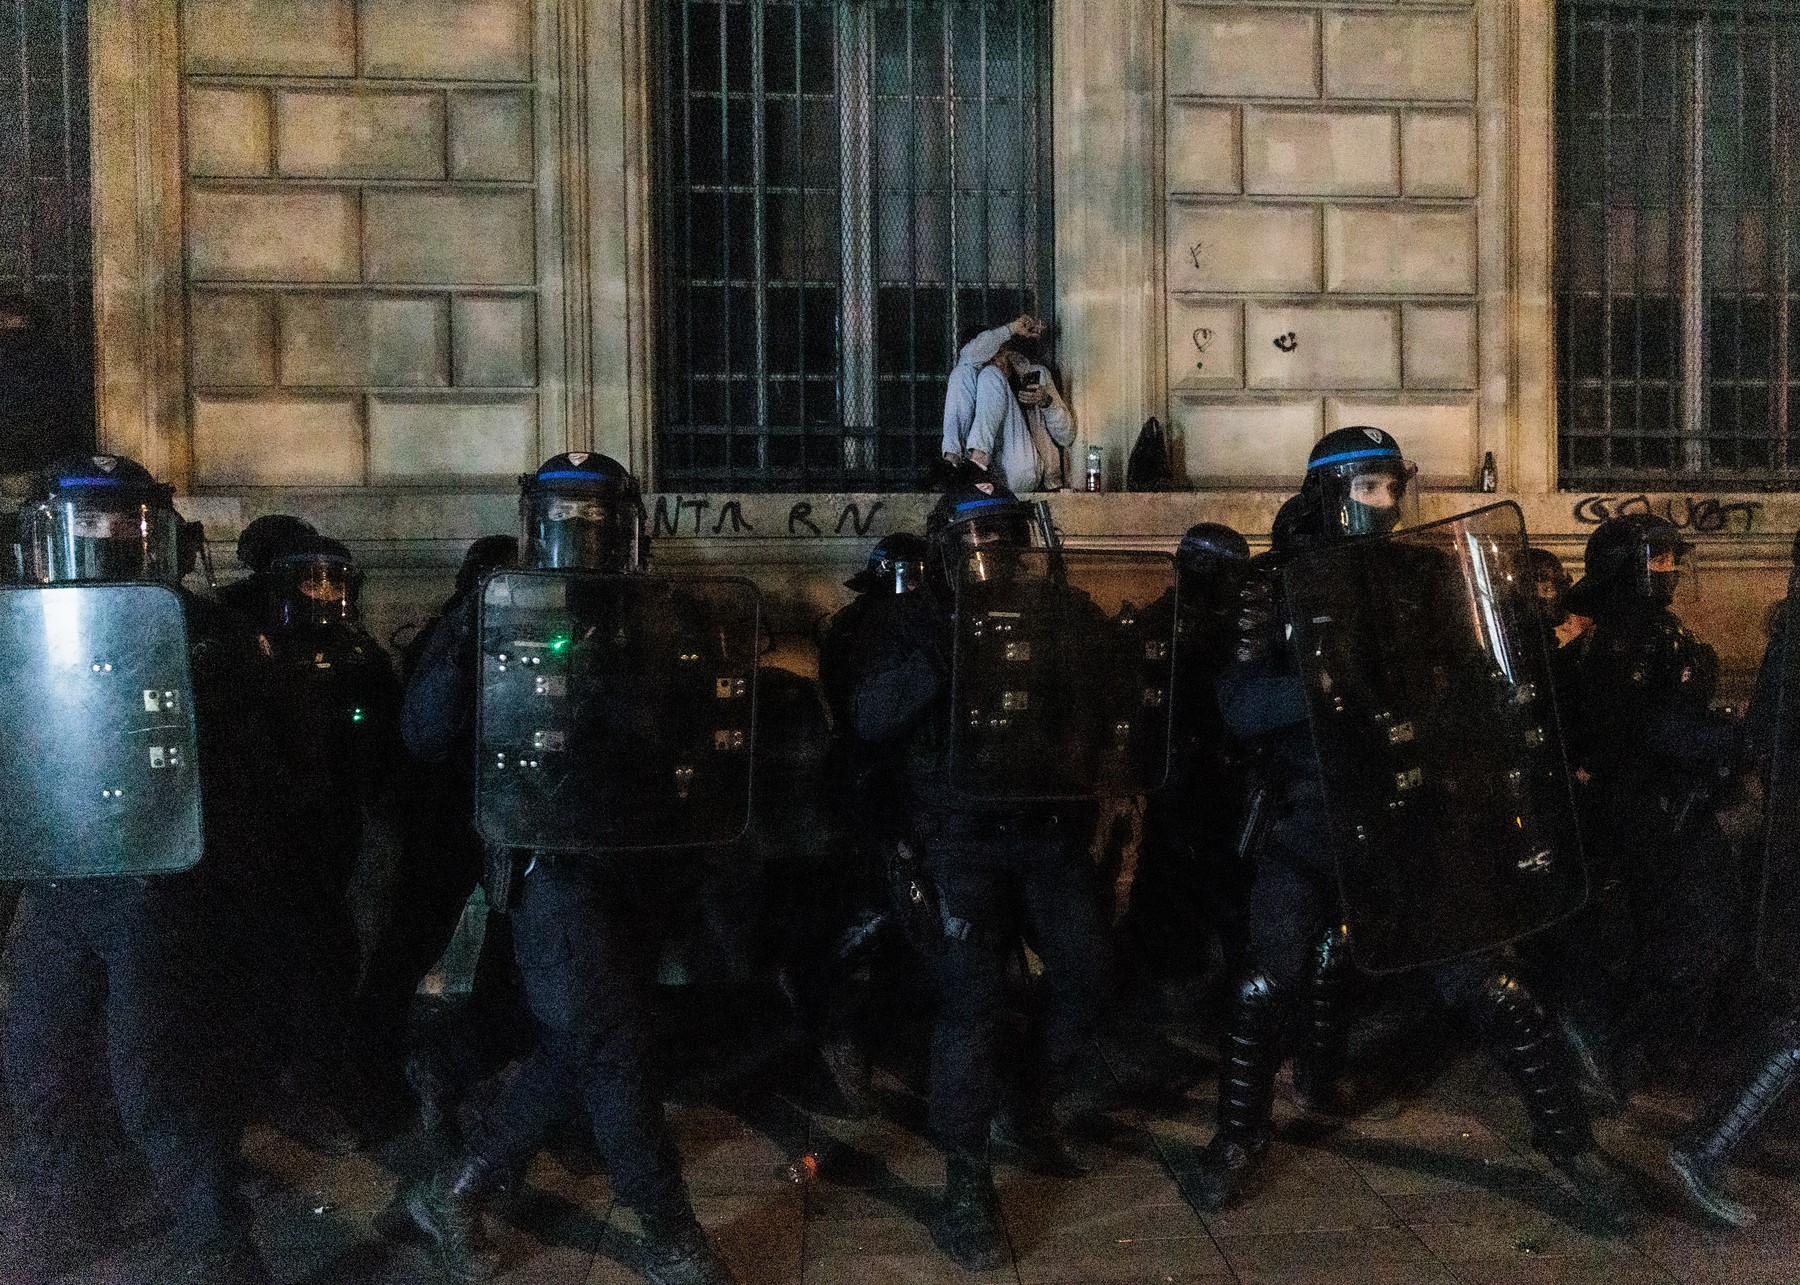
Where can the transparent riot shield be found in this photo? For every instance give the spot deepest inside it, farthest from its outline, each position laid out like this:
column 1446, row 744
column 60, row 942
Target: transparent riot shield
column 1427, row 678
column 1778, row 926
column 98, row 764
column 616, row 712
column 1061, row 679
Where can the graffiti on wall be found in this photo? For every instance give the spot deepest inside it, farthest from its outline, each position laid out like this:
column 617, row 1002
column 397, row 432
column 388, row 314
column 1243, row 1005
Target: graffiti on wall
column 1700, row 513
column 816, row 518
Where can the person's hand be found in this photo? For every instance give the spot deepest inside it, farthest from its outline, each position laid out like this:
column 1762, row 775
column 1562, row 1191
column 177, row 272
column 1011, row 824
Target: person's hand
column 979, row 459
column 1026, row 326
column 1034, row 395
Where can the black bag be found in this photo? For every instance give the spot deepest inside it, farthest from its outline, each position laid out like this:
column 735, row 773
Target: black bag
column 1150, row 467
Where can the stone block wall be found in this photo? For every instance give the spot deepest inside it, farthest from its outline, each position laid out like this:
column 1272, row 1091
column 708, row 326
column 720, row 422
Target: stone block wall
column 362, row 241
column 1323, row 234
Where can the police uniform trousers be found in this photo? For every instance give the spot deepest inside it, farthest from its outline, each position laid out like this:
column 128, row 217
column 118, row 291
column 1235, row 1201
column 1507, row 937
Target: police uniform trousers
column 125, row 950
column 585, row 938
column 992, row 889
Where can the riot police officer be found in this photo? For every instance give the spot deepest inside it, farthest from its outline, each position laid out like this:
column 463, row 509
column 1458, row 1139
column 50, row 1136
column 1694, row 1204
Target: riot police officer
column 1357, row 480
column 1189, row 871
column 1763, row 1078
column 581, row 926
column 134, row 955
column 336, row 702
column 862, row 787
column 1651, row 754
column 437, row 866
column 984, row 871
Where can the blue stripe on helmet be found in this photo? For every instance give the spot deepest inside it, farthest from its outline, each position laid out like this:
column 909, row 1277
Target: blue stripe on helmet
column 62, row 482
column 1373, row 452
column 570, row 476
column 987, row 502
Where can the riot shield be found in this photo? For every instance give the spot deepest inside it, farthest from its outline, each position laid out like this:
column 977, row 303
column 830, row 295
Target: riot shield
column 616, row 712
column 1778, row 926
column 98, row 764
column 1060, row 679
column 1428, row 686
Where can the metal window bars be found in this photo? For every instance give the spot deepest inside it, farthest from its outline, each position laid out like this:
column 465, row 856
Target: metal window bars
column 844, row 186
column 1677, row 237
column 45, row 235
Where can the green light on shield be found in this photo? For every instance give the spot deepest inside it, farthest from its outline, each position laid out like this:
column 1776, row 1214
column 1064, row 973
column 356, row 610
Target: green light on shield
column 559, row 643
column 357, row 715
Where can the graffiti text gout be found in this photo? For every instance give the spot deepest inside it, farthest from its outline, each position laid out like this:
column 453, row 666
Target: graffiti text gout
column 1704, row 514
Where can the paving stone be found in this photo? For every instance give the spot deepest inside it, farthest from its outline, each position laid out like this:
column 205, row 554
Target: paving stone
column 1377, row 1256
column 1535, row 1220
column 897, row 1269
column 1124, row 1257
column 1612, row 1266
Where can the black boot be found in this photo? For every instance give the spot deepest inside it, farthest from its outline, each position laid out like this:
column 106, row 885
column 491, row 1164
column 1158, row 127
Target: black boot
column 1521, row 1036
column 1029, row 1129
column 1699, row 1154
column 1322, row 1052
column 966, row 1225
column 447, row 1208
column 1251, row 1057
column 678, row 1252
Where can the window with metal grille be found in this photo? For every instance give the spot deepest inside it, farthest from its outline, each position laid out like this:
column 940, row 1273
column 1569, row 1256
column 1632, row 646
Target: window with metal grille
column 1678, row 239
column 46, row 277
column 846, row 186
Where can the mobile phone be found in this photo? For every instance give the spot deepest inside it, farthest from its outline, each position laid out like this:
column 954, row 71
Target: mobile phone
column 1033, row 378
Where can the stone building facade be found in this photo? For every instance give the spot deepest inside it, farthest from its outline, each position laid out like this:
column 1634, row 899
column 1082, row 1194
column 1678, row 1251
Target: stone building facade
column 367, row 260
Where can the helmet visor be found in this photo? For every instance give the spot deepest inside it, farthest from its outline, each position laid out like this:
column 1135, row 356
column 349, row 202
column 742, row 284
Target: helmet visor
column 990, row 544
column 574, row 532
column 94, row 537
column 1369, row 497
column 315, row 592
column 1667, row 574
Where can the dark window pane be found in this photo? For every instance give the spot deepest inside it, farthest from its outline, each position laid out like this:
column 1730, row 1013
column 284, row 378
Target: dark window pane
column 754, row 280
column 779, row 39
column 45, row 230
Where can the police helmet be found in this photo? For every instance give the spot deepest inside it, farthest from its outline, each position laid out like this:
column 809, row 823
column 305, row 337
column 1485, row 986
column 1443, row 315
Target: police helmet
column 1359, row 483
column 1631, row 559
column 980, row 525
column 582, row 512
column 267, row 536
column 489, row 553
column 313, row 582
column 1210, row 561
column 896, row 565
column 100, row 517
